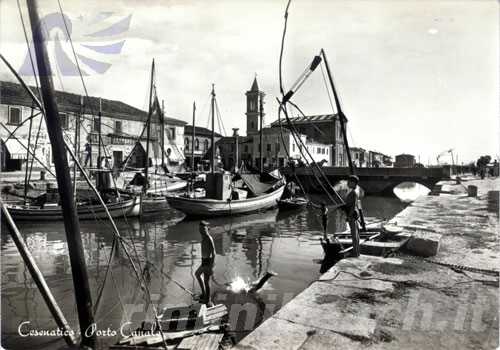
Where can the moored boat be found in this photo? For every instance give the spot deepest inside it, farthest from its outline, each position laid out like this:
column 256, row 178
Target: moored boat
column 292, row 203
column 128, row 207
column 203, row 207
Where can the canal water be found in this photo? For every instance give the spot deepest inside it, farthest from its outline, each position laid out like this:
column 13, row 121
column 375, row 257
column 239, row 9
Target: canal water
column 168, row 253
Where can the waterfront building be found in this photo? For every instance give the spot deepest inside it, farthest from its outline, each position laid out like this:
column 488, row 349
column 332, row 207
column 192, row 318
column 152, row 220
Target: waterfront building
column 378, row 160
column 120, row 126
column 359, row 156
column 202, row 146
column 404, row 161
column 324, row 129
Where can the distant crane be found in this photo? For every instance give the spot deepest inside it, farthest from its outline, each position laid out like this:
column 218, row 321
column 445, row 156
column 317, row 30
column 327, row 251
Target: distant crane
column 445, row 152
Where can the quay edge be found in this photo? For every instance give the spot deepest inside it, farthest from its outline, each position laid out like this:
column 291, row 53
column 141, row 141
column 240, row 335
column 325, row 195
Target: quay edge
column 403, row 301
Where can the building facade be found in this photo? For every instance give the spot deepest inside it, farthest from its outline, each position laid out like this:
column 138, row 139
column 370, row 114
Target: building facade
column 120, row 126
column 324, row 129
column 202, row 147
column 359, row 157
column 404, row 161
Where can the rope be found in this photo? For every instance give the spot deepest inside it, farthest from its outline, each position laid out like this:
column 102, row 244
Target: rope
column 326, row 86
column 219, row 118
column 101, row 288
column 442, row 263
column 28, row 47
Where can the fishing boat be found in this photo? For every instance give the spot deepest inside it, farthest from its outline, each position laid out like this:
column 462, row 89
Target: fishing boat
column 230, row 193
column 204, row 207
column 125, row 206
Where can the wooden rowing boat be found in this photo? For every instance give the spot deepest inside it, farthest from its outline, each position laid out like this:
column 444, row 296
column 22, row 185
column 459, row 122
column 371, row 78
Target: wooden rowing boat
column 292, row 203
column 128, row 206
column 204, row 207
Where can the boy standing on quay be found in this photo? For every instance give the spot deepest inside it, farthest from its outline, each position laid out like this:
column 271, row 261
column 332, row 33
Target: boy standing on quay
column 207, row 262
column 352, row 212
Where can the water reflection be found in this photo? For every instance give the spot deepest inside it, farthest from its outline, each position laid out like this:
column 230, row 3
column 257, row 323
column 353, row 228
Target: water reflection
column 246, row 247
column 409, row 191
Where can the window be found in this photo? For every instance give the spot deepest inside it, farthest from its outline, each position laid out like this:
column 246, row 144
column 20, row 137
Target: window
column 95, row 125
column 196, row 145
column 118, row 127
column 252, row 105
column 14, row 116
column 293, row 147
column 252, row 125
column 319, row 150
column 206, row 145
column 186, row 144
column 64, row 120
column 327, row 151
column 268, row 147
column 172, row 133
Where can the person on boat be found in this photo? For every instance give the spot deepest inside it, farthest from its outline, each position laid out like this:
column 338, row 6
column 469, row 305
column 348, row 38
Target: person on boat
column 352, row 212
column 292, row 189
column 207, row 262
column 88, row 154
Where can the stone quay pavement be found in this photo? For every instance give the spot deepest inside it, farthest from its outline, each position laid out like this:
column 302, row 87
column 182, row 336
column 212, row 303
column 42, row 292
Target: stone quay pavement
column 404, row 301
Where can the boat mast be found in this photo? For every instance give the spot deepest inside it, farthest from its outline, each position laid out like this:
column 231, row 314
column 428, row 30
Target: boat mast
column 27, row 157
column 341, row 115
column 99, row 160
column 77, row 143
column 71, row 224
column 148, row 132
column 343, row 119
column 192, row 137
column 212, row 139
column 162, row 134
column 261, row 117
column 236, row 150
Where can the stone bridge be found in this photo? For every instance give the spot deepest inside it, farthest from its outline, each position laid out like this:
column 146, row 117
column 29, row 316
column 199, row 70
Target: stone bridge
column 379, row 181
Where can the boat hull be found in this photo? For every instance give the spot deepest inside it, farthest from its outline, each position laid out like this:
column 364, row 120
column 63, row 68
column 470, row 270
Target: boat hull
column 128, row 207
column 202, row 207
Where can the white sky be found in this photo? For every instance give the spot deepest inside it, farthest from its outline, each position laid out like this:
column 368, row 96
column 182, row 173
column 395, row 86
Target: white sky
column 414, row 77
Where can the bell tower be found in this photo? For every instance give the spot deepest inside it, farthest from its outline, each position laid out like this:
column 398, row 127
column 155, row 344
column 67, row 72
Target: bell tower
column 253, row 112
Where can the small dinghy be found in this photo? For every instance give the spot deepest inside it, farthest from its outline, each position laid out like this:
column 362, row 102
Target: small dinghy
column 292, row 203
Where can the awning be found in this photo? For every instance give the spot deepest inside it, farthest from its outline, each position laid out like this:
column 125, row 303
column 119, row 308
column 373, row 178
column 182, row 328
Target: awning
column 255, row 185
column 16, row 150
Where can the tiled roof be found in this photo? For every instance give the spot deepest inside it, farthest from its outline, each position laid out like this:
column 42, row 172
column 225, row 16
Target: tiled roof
column 320, row 118
column 14, row 94
column 199, row 131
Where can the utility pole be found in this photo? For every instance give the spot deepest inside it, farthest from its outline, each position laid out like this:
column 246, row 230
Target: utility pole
column 71, row 224
column 261, row 118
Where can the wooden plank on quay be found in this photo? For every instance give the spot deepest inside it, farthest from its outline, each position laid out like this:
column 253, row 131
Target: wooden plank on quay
column 208, row 341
